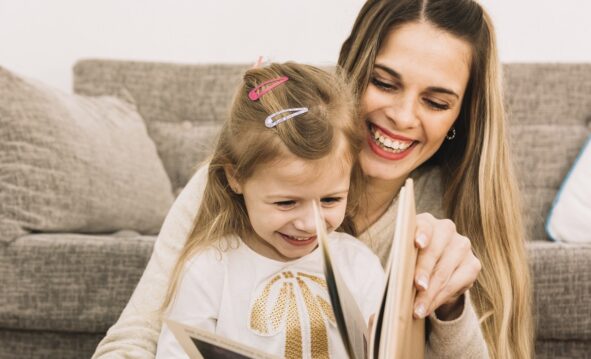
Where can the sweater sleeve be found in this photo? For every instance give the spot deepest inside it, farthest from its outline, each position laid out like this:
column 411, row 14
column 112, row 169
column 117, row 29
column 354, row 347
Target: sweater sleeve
column 136, row 332
column 196, row 302
column 458, row 338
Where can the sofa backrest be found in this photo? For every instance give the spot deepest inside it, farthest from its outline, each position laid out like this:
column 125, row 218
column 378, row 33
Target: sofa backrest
column 549, row 109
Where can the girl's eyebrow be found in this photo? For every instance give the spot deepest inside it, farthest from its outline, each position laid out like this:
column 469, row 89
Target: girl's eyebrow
column 398, row 76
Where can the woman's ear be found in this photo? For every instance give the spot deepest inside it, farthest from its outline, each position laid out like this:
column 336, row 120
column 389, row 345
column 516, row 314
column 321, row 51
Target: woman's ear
column 234, row 184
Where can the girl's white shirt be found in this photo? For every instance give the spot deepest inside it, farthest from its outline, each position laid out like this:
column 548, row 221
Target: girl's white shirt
column 234, row 293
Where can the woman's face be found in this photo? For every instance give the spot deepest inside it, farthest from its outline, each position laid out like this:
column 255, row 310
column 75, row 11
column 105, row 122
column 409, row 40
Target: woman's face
column 413, row 98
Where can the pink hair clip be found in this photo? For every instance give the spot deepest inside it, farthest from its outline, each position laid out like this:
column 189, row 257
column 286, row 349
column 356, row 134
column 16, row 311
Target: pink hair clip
column 293, row 112
column 261, row 60
column 257, row 92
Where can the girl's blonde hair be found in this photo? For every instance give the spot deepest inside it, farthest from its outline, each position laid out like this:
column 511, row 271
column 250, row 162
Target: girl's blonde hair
column 330, row 127
column 481, row 194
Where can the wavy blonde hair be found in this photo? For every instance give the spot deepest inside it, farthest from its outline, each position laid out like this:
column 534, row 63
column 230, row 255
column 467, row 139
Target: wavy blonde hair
column 329, row 128
column 481, row 195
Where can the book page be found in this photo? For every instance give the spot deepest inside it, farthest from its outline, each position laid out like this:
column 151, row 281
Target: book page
column 199, row 344
column 397, row 334
column 350, row 321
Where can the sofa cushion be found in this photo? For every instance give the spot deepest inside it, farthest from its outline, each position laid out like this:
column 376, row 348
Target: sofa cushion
column 81, row 283
column 34, row 344
column 562, row 287
column 71, row 163
column 69, row 282
column 549, row 113
column 184, row 106
column 569, row 219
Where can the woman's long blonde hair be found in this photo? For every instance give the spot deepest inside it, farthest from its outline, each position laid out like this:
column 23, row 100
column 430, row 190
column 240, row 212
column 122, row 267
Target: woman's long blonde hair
column 330, row 127
column 481, row 194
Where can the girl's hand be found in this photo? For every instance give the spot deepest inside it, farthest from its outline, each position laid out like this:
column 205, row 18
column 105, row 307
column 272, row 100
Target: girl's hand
column 446, row 268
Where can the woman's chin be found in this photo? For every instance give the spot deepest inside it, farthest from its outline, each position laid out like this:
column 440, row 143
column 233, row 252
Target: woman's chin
column 379, row 169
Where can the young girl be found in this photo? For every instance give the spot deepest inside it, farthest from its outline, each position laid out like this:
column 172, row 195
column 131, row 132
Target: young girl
column 251, row 270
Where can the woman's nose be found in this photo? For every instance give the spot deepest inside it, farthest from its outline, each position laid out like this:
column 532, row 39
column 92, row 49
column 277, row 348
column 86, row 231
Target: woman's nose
column 403, row 112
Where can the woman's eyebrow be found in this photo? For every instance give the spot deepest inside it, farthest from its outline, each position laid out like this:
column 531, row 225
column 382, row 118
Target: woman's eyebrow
column 390, row 71
column 443, row 90
column 398, row 76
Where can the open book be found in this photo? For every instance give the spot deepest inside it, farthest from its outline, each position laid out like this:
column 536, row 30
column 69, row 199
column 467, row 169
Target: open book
column 394, row 333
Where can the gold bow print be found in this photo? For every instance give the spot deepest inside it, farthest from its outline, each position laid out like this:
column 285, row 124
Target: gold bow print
column 285, row 290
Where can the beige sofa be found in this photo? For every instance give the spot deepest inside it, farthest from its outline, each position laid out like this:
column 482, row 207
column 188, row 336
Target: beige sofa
column 60, row 292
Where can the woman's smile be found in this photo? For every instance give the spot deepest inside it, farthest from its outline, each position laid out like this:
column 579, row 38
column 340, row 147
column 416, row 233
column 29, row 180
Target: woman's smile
column 388, row 145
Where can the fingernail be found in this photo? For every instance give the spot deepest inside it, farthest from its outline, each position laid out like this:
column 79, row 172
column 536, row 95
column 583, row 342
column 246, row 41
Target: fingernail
column 420, row 311
column 423, row 281
column 421, row 240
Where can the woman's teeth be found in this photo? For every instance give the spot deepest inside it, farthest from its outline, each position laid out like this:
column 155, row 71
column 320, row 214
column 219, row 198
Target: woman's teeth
column 390, row 144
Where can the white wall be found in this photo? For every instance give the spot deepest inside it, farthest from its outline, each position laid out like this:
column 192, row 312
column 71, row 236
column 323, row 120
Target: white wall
column 43, row 39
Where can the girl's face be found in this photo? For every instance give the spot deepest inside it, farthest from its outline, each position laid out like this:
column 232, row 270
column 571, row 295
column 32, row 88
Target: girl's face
column 279, row 199
column 413, row 98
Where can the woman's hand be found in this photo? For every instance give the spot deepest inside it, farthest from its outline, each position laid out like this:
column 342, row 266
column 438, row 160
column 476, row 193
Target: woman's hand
column 446, row 268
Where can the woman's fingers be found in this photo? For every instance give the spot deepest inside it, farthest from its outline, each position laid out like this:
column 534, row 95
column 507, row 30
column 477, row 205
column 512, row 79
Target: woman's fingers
column 461, row 280
column 440, row 233
column 449, row 262
column 424, row 231
column 446, row 266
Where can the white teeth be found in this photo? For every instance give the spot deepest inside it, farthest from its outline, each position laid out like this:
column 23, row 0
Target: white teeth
column 390, row 144
column 298, row 238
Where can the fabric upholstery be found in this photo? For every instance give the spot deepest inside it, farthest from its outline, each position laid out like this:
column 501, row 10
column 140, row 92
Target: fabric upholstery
column 562, row 349
column 92, row 277
column 69, row 282
column 568, row 220
column 562, row 290
column 183, row 105
column 549, row 112
column 70, row 163
column 30, row 344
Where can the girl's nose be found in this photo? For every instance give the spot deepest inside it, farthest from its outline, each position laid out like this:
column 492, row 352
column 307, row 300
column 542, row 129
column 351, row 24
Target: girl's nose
column 305, row 220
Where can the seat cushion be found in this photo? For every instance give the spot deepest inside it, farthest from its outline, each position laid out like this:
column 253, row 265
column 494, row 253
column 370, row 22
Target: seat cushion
column 69, row 282
column 562, row 290
column 17, row 344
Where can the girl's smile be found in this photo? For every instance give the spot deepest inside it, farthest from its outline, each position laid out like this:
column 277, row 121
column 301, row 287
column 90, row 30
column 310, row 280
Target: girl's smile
column 299, row 241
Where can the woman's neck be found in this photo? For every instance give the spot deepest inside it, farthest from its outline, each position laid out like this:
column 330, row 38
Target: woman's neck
column 379, row 195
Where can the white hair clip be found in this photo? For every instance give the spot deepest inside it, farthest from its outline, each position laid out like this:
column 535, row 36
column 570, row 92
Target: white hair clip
column 293, row 112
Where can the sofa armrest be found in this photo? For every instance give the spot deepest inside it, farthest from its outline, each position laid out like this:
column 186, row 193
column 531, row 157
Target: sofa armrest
column 562, row 290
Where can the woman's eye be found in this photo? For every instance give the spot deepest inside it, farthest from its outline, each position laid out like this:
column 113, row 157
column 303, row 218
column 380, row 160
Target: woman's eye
column 330, row 200
column 439, row 106
column 383, row 85
column 285, row 204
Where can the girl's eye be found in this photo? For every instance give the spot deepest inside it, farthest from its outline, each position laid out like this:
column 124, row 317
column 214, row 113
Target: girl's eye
column 285, row 204
column 330, row 200
column 383, row 85
column 438, row 106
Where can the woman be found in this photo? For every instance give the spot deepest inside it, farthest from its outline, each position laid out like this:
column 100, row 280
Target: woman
column 428, row 70
column 428, row 82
